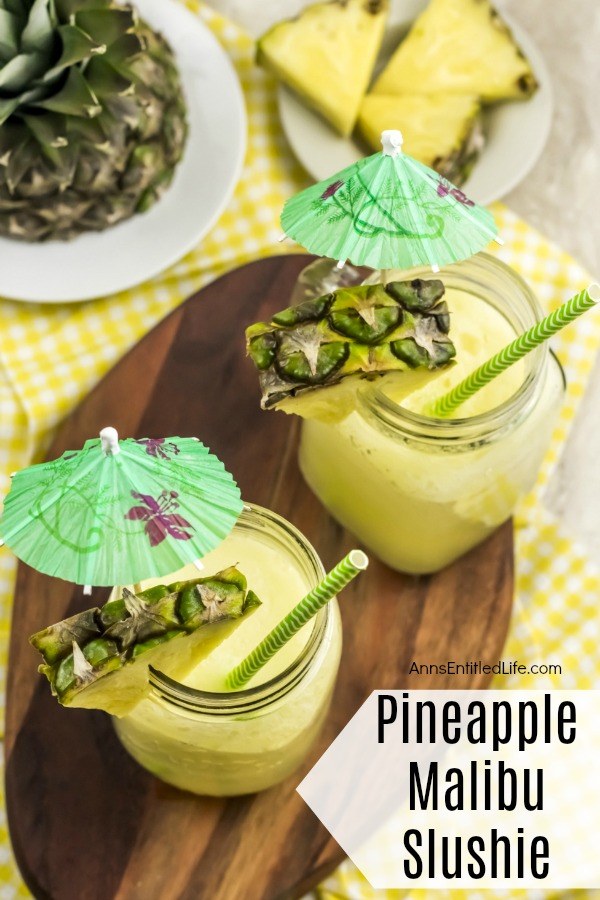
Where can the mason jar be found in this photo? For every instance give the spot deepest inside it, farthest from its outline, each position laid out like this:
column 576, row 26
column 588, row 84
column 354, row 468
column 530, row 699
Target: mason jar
column 419, row 491
column 244, row 741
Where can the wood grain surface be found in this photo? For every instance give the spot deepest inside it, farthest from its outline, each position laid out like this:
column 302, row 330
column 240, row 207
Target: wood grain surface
column 86, row 822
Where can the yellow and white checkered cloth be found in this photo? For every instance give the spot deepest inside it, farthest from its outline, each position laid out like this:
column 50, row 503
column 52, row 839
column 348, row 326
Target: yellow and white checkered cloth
column 50, row 357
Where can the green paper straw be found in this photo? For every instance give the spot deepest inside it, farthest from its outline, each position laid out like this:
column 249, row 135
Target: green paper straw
column 516, row 350
column 356, row 561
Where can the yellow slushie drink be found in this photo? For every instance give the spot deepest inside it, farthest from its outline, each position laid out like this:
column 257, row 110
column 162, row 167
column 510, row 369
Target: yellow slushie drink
column 201, row 738
column 420, row 492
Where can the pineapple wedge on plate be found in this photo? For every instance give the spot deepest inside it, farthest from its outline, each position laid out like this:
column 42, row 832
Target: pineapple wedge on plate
column 459, row 46
column 313, row 357
column 327, row 55
column 99, row 658
column 442, row 131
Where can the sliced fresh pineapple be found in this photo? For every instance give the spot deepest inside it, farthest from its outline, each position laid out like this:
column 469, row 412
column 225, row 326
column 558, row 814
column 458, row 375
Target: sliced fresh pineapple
column 440, row 130
column 99, row 658
column 459, row 46
column 334, row 403
column 314, row 357
column 327, row 54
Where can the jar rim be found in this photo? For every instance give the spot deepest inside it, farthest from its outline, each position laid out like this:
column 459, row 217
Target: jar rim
column 460, row 430
column 248, row 699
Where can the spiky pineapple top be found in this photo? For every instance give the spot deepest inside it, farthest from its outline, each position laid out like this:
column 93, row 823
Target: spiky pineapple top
column 92, row 117
column 362, row 331
column 81, row 651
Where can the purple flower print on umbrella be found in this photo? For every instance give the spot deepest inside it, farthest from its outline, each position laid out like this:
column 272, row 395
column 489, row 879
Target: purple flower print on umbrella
column 445, row 189
column 159, row 517
column 160, row 448
column 331, row 189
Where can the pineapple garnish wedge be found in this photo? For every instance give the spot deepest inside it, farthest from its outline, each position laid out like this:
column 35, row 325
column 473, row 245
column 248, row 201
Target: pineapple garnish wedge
column 99, row 658
column 442, row 131
column 327, row 54
column 459, row 46
column 313, row 357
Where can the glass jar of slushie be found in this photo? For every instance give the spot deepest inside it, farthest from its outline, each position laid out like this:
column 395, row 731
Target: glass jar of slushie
column 202, row 738
column 420, row 491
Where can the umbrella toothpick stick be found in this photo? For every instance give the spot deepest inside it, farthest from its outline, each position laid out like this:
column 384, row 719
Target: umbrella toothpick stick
column 391, row 142
column 110, row 441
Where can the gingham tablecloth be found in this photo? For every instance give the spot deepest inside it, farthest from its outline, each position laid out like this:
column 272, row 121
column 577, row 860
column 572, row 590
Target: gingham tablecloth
column 50, row 357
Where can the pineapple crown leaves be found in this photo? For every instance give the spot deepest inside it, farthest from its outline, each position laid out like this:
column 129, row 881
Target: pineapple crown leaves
column 92, row 116
column 58, row 60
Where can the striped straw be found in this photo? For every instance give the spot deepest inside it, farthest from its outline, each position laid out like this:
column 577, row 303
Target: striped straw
column 516, row 350
column 356, row 561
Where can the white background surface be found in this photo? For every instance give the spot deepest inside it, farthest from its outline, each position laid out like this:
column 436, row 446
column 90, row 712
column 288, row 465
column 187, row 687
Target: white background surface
column 561, row 197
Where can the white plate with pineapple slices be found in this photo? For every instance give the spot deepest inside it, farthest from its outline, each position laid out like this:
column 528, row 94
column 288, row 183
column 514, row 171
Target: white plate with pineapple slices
column 102, row 263
column 515, row 132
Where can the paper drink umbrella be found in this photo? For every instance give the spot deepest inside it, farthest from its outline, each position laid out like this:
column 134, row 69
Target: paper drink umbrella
column 117, row 512
column 388, row 211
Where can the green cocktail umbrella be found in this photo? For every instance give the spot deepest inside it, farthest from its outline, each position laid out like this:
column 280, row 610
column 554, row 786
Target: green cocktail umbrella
column 388, row 211
column 117, row 512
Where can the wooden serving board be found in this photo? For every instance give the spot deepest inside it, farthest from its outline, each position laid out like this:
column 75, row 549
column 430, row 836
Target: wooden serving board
column 86, row 822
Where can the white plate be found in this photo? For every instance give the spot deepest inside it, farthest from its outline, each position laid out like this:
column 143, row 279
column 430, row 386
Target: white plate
column 93, row 265
column 516, row 132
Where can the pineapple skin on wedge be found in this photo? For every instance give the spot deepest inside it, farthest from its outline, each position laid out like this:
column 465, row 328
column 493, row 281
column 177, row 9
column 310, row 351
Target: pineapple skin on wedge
column 459, row 46
column 99, row 658
column 327, row 55
column 442, row 131
column 314, row 357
